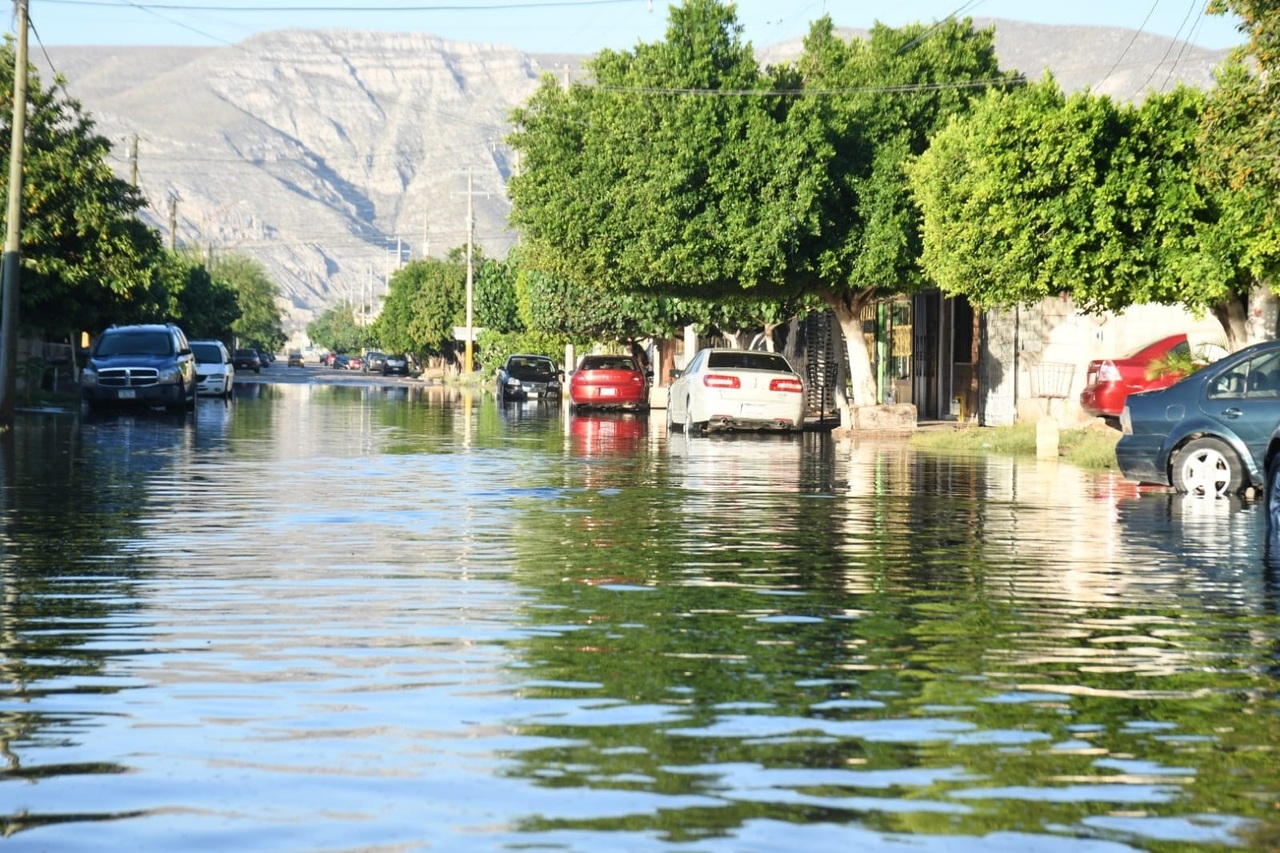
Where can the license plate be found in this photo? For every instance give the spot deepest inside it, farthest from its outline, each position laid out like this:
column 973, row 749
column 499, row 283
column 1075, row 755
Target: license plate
column 128, row 394
column 608, row 392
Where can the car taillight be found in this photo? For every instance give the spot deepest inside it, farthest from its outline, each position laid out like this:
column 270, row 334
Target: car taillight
column 1126, row 422
column 794, row 385
column 716, row 380
column 1107, row 372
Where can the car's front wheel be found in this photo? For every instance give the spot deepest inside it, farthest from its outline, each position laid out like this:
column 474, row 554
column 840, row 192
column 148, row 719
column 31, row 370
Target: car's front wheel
column 1207, row 467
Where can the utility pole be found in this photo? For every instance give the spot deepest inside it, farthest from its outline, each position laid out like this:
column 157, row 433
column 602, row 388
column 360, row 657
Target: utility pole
column 468, row 363
column 133, row 162
column 173, row 222
column 12, row 262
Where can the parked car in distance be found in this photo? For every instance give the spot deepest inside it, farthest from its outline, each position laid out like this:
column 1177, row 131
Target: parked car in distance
column 1109, row 381
column 148, row 365
column 729, row 389
column 396, row 364
column 265, row 358
column 215, row 371
column 340, row 361
column 355, row 362
column 295, row 360
column 1208, row 434
column 609, row 382
column 246, row 359
column 523, row 376
column 374, row 361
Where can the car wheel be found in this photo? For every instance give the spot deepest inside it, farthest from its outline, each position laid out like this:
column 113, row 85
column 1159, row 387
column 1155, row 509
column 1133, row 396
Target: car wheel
column 1209, row 468
column 691, row 428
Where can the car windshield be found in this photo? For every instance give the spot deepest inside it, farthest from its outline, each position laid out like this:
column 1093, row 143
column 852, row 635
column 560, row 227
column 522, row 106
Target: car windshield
column 207, row 353
column 748, row 360
column 533, row 365
column 135, row 343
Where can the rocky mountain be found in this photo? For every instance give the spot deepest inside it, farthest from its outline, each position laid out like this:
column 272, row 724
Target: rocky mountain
column 334, row 155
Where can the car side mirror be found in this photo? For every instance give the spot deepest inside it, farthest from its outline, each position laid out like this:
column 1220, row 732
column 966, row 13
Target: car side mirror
column 676, row 374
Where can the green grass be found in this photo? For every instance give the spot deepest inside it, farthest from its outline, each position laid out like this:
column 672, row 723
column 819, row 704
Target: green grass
column 1091, row 447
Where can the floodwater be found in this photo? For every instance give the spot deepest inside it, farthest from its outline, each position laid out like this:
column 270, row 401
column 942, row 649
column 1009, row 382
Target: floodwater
column 389, row 619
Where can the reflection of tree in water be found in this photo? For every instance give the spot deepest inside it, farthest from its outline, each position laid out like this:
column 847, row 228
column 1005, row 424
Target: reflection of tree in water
column 70, row 493
column 728, row 658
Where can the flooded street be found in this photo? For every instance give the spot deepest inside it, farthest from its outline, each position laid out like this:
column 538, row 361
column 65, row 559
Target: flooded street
column 327, row 618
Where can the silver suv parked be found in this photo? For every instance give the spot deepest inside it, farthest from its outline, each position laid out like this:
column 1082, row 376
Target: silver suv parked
column 148, row 365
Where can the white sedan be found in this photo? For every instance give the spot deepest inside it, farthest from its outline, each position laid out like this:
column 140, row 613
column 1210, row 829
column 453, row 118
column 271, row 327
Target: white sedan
column 731, row 389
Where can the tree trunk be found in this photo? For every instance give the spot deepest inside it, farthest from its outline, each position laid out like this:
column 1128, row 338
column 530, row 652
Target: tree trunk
column 847, row 307
column 1233, row 314
column 666, row 359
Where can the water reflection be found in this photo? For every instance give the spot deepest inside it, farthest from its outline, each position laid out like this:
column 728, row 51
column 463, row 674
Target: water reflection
column 326, row 617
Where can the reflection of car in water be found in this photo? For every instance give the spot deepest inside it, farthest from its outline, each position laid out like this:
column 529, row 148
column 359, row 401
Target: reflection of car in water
column 743, row 463
column 608, row 434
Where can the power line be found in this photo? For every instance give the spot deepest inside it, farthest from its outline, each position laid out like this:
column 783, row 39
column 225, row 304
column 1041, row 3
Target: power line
column 439, row 7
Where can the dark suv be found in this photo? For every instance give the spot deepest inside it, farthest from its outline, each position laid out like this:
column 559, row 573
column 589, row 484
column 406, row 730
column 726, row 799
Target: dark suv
column 149, row 365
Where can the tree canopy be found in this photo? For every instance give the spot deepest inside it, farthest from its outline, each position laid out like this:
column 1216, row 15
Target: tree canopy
column 684, row 170
column 87, row 260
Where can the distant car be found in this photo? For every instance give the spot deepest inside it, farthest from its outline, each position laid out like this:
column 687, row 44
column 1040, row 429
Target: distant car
column 340, row 361
column 215, row 370
column 728, row 389
column 374, row 362
column 396, row 364
column 265, row 358
column 523, row 376
column 609, row 382
column 246, row 359
column 1209, row 433
column 1109, row 381
column 295, row 360
column 355, row 362
column 147, row 365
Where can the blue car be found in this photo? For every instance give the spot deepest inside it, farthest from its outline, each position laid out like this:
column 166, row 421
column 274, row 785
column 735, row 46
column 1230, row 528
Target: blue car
column 1208, row 434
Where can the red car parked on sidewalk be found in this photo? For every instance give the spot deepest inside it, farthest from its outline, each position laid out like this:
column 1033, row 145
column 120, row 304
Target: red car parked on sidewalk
column 1110, row 380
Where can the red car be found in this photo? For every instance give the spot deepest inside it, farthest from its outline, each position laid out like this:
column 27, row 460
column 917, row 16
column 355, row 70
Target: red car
column 1110, row 381
column 609, row 382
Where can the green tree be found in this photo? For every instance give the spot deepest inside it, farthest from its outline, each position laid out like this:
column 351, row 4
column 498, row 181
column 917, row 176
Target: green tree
column 494, row 300
column 1240, row 134
column 336, row 329
column 205, row 308
column 426, row 300
column 1038, row 194
column 885, row 98
column 259, row 320
column 684, row 171
column 87, row 259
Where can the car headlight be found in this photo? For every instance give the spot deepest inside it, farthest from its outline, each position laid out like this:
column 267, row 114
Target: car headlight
column 88, row 376
column 170, row 374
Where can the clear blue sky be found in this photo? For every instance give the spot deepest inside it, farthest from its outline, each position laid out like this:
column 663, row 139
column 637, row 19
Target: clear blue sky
column 571, row 26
